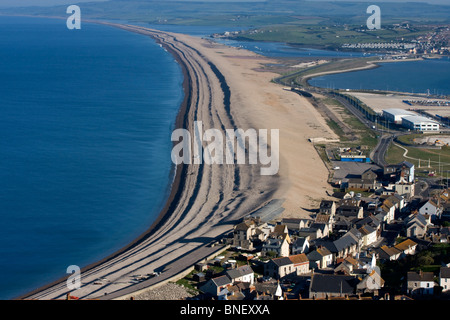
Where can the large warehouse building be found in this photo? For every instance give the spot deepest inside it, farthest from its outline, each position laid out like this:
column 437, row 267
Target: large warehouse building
column 396, row 115
column 420, row 123
column 410, row 120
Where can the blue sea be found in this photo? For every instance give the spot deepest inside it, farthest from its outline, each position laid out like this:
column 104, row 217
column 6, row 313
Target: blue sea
column 85, row 123
column 424, row 76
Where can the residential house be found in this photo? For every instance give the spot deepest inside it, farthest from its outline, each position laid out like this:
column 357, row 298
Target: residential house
column 242, row 234
column 370, row 282
column 350, row 208
column 361, row 184
column 407, row 247
column 323, row 229
column 301, row 263
column 445, row 214
column 432, row 208
column 438, row 234
column 389, row 207
column 420, row 283
column 220, row 286
column 369, row 174
column 216, row 285
column 369, row 235
column 278, row 245
column 416, row 225
column 268, row 290
column 346, row 266
column 241, row 274
column 386, row 253
column 367, row 260
column 343, row 224
column 320, row 258
column 232, row 293
column 296, row 224
column 325, row 219
column 278, row 268
column 444, row 278
column 249, row 231
column 402, row 172
column 327, row 207
column 370, row 220
column 279, row 231
column 444, row 196
column 312, row 232
column 366, row 181
column 405, row 189
column 329, row 285
column 300, row 245
column 398, row 201
column 349, row 244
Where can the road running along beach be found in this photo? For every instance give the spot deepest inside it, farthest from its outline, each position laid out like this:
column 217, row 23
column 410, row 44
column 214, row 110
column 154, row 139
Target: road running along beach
column 224, row 90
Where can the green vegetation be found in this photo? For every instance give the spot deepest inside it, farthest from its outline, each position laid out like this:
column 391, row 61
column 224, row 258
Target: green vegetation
column 439, row 159
column 289, row 13
column 334, row 36
column 189, row 283
column 364, row 136
column 430, row 260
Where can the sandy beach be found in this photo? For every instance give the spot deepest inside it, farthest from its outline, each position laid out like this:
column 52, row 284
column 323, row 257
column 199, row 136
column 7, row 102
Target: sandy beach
column 223, row 90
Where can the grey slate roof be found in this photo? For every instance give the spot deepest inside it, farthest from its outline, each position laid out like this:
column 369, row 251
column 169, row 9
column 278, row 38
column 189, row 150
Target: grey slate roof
column 333, row 283
column 221, row 281
column 345, row 241
column 445, row 272
column 299, row 242
column 283, row 261
column 239, row 272
column 420, row 276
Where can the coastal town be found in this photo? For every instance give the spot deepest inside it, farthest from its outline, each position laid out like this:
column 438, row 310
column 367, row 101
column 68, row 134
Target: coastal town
column 370, row 243
column 382, row 234
column 352, row 204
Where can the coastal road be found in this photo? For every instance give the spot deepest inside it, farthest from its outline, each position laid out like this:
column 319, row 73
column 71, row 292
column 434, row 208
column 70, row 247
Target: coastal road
column 379, row 153
column 206, row 200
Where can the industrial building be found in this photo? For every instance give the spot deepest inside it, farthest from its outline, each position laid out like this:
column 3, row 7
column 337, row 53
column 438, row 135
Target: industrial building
column 419, row 123
column 410, row 120
column 396, row 115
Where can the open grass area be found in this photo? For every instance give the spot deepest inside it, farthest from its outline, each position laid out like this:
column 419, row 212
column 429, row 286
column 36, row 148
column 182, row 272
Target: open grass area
column 437, row 159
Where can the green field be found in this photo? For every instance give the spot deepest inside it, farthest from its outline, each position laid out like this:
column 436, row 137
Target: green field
column 332, row 36
column 247, row 13
column 439, row 159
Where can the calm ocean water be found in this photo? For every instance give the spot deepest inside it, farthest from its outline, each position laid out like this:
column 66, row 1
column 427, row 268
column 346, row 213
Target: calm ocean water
column 423, row 76
column 283, row 50
column 85, row 123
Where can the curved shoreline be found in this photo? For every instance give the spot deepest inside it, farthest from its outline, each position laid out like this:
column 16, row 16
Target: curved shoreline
column 204, row 203
column 175, row 187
